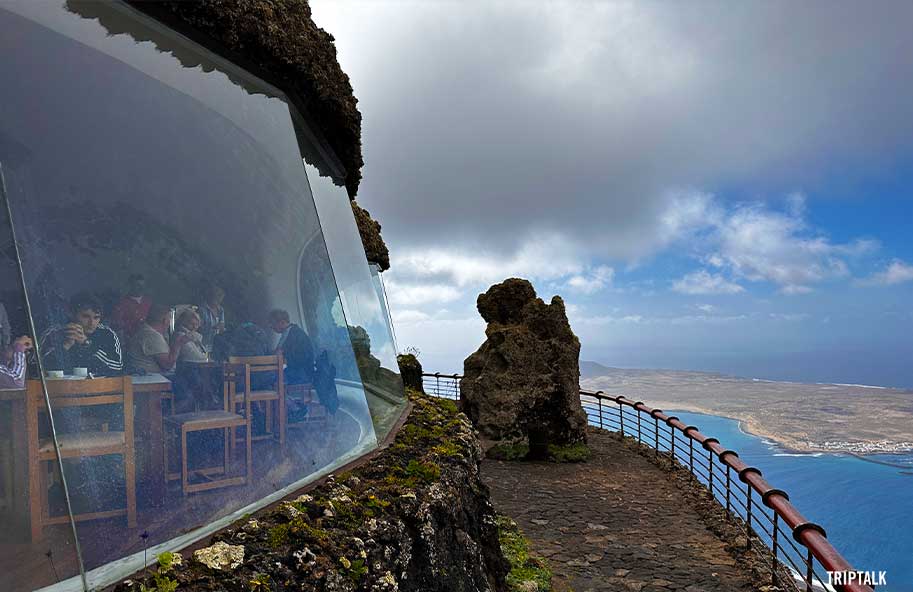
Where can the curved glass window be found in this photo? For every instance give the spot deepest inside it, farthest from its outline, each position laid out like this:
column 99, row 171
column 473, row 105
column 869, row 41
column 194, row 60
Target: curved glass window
column 368, row 324
column 208, row 340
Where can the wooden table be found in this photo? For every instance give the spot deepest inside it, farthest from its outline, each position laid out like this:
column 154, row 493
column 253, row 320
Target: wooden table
column 148, row 393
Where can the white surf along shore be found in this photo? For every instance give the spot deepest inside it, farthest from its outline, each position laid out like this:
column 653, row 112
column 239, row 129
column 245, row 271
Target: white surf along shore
column 801, row 418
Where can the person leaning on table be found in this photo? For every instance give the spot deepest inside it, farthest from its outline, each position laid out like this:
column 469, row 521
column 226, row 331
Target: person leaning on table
column 149, row 352
column 84, row 342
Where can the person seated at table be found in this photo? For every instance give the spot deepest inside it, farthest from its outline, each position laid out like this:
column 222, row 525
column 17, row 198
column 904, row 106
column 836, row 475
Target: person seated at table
column 149, row 352
column 12, row 363
column 188, row 325
column 212, row 315
column 295, row 346
column 129, row 312
column 84, row 342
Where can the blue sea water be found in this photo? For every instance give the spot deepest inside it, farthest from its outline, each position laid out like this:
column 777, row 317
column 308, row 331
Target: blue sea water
column 866, row 508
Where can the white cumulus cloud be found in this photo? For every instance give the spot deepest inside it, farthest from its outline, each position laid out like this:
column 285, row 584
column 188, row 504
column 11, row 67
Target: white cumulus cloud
column 592, row 282
column 704, row 282
column 897, row 272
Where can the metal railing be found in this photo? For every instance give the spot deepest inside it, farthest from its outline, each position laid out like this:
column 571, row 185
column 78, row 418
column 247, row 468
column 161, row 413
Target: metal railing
column 446, row 386
column 793, row 542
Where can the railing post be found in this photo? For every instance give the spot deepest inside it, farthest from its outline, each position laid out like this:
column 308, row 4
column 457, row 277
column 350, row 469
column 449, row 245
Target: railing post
column 773, row 562
column 639, row 439
column 748, row 518
column 710, row 465
column 809, row 572
column 656, row 434
column 599, row 403
column 728, row 480
column 621, row 418
column 672, row 440
column 437, row 383
column 690, row 454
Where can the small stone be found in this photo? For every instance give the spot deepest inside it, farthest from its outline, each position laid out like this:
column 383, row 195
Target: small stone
column 593, row 557
column 661, row 583
column 539, row 522
column 220, row 556
column 622, row 572
column 252, row 525
column 593, row 526
column 577, row 563
column 304, row 499
column 528, row 586
column 289, row 510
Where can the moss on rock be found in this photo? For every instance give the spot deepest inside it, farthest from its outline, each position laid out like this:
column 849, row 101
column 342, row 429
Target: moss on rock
column 375, row 248
column 527, row 572
column 417, row 517
column 560, row 454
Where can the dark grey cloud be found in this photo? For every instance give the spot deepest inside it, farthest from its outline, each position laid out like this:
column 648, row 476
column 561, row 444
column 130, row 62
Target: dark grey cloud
column 488, row 124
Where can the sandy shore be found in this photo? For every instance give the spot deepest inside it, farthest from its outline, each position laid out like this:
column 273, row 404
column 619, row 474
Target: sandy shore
column 802, row 418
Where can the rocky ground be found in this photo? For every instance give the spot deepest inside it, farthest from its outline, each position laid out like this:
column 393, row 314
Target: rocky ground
column 621, row 522
column 417, row 517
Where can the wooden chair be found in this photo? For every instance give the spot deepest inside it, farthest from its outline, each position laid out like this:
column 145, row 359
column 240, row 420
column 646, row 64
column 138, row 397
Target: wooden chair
column 226, row 420
column 274, row 366
column 317, row 414
column 80, row 444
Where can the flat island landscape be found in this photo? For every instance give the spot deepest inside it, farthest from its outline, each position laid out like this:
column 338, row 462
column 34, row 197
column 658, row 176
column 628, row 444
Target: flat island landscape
column 803, row 417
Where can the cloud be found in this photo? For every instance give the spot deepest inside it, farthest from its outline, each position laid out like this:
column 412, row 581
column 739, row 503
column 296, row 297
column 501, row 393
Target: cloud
column 703, row 282
column 594, row 281
column 793, row 317
column 545, row 258
column 582, row 120
column 409, row 316
column 417, row 294
column 897, row 272
column 758, row 243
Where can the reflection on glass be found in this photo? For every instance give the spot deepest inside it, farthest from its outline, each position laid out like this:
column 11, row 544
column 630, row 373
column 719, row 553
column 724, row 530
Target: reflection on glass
column 31, row 555
column 368, row 324
column 200, row 344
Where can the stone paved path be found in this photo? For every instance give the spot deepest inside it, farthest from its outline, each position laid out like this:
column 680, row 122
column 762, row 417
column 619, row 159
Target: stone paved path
column 617, row 522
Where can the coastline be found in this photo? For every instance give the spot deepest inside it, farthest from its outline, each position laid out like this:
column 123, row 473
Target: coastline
column 748, row 425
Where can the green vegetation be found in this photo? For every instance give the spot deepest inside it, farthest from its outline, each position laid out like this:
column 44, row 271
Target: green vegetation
column 508, row 451
column 559, row 454
column 161, row 582
column 354, row 570
column 523, row 566
column 259, row 583
column 167, row 561
column 569, row 454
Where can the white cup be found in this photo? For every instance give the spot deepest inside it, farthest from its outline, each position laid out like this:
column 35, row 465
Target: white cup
column 80, row 371
column 54, row 373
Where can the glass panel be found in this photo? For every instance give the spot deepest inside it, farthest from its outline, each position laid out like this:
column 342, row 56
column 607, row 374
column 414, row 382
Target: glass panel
column 31, row 555
column 168, row 234
column 369, row 326
column 381, row 290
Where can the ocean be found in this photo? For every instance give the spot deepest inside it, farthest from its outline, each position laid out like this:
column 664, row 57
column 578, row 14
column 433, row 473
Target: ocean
column 865, row 507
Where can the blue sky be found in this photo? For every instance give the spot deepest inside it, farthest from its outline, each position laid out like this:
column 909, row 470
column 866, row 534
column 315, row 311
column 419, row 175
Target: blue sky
column 707, row 190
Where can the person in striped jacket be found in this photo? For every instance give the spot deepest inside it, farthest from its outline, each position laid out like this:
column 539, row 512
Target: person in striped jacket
column 84, row 342
column 12, row 364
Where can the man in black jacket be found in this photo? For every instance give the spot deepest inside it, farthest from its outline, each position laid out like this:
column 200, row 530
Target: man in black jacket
column 85, row 342
column 295, row 346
